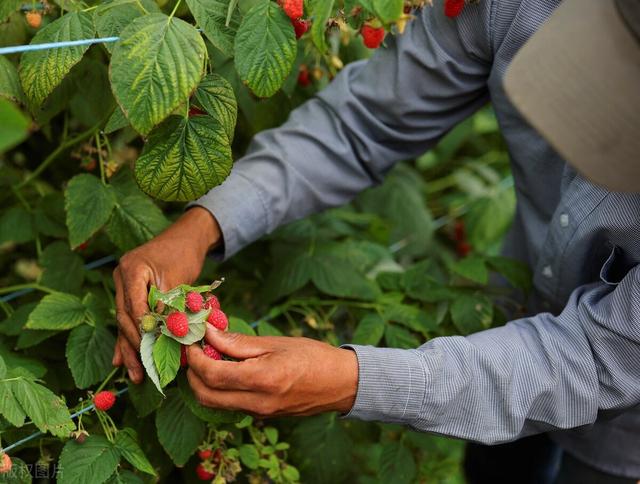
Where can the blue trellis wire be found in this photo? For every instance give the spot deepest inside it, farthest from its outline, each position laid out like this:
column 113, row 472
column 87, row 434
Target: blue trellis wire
column 16, row 49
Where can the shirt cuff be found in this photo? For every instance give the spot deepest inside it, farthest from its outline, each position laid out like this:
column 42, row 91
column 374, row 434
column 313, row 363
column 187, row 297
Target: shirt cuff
column 392, row 385
column 239, row 210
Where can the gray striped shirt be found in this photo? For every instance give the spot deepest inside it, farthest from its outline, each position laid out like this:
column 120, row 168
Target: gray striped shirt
column 575, row 362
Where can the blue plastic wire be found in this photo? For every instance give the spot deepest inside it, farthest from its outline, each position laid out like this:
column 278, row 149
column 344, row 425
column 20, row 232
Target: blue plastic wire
column 16, row 49
column 73, row 415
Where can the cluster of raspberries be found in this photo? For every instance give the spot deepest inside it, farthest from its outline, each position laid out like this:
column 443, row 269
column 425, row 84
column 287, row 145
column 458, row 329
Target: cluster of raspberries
column 178, row 322
column 205, row 470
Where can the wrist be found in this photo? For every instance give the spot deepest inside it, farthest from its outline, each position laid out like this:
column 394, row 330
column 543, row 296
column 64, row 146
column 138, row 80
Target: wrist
column 201, row 229
column 349, row 380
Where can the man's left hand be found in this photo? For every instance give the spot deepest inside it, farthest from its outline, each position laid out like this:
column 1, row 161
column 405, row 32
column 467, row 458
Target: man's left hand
column 273, row 375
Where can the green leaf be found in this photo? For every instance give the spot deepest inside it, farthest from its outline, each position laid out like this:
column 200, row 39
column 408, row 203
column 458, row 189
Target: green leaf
column 369, row 331
column 398, row 337
column 180, row 432
column 57, row 311
column 412, row 317
column 197, row 328
column 127, row 445
column 472, row 268
column 16, row 224
column 89, row 353
column 489, row 218
column 516, row 272
column 211, row 16
column 50, row 216
column 215, row 95
column 166, row 356
column 388, row 10
column 266, row 329
column 10, row 408
column 92, row 461
column 116, row 121
column 47, row 411
column 337, row 277
column 63, row 269
column 237, row 325
column 184, row 158
column 471, row 313
column 146, row 355
column 265, row 48
column 12, row 326
column 145, row 397
column 155, row 67
column 15, row 126
column 17, row 362
column 292, row 273
column 43, row 70
column 321, row 10
column 112, row 17
column 10, row 82
column 209, row 415
column 7, row 7
column 397, row 464
column 272, row 435
column 174, row 298
column 20, row 472
column 89, row 204
column 249, row 455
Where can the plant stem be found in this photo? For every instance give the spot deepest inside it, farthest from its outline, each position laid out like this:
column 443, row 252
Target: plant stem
column 106, row 380
column 57, row 152
column 173, row 12
column 100, row 160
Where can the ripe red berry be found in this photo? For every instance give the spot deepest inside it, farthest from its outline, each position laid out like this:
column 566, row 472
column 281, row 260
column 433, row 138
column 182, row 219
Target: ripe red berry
column 205, row 454
column 178, row 323
column 463, row 249
column 183, row 355
column 304, row 80
column 34, row 19
column 212, row 303
column 104, row 400
column 218, row 319
column 459, row 231
column 6, row 464
column 211, row 352
column 194, row 302
column 300, row 26
column 203, row 473
column 453, row 8
column 372, row 36
column 83, row 246
column 293, row 8
column 195, row 111
column 217, row 456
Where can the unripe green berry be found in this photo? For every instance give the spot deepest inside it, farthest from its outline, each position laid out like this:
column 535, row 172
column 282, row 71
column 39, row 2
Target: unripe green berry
column 148, row 323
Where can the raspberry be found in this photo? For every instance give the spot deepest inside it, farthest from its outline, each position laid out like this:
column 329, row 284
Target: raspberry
column 463, row 249
column 205, row 473
column 293, row 8
column 218, row 319
column 300, row 26
column 83, row 246
column 211, row 352
column 459, row 231
column 194, row 302
column 205, row 454
column 304, row 80
column 34, row 19
column 453, row 8
column 104, row 400
column 372, row 36
column 183, row 355
column 178, row 324
column 212, row 303
column 195, row 111
column 5, row 466
column 148, row 323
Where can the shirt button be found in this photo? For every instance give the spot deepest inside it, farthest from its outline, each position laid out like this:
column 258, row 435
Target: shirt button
column 564, row 220
column 547, row 272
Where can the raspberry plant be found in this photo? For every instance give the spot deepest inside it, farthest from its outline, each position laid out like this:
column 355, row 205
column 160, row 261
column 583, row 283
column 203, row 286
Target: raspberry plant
column 96, row 141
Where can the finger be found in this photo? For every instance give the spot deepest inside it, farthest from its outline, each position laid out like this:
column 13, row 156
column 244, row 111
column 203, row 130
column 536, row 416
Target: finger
column 227, row 400
column 220, row 374
column 239, row 345
column 128, row 327
column 131, row 361
column 136, row 286
column 117, row 354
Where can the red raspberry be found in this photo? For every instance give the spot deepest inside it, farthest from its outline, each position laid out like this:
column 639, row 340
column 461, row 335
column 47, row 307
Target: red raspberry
column 304, row 80
column 453, row 8
column 183, row 355
column 34, row 19
column 218, row 319
column 178, row 324
column 195, row 111
column 5, row 466
column 212, row 303
column 203, row 473
column 300, row 26
column 372, row 36
column 211, row 352
column 459, row 231
column 194, row 302
column 463, row 249
column 104, row 400
column 293, row 8
column 205, row 454
column 217, row 456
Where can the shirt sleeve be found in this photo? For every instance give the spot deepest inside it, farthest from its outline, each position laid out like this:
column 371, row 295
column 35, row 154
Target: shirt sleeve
column 532, row 375
column 375, row 113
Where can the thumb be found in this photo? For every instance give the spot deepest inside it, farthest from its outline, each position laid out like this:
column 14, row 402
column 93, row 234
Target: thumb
column 238, row 345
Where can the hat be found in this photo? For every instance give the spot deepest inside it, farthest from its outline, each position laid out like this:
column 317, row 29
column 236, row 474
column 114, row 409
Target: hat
column 577, row 82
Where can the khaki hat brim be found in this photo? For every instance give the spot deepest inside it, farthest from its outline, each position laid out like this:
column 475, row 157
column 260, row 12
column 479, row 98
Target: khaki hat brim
column 577, row 81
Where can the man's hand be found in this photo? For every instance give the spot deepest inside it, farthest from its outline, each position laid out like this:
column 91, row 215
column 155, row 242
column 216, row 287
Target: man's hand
column 276, row 375
column 173, row 257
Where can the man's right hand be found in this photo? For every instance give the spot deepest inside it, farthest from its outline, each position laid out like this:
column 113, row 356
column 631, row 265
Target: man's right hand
column 174, row 257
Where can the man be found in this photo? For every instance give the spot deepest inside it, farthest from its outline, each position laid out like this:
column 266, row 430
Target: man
column 575, row 362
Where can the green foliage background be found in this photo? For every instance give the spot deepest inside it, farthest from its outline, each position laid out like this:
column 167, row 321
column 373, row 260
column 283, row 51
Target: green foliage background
column 88, row 135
